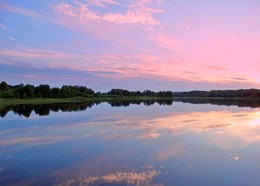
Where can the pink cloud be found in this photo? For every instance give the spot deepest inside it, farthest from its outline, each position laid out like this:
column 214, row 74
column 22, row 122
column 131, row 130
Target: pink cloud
column 234, row 55
column 132, row 18
column 102, row 3
column 151, row 135
column 146, row 6
column 172, row 43
column 148, row 58
column 129, row 66
column 139, row 13
column 210, row 67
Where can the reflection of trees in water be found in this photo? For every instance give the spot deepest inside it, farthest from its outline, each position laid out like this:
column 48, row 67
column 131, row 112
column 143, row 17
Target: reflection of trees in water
column 227, row 102
column 24, row 110
column 126, row 103
column 45, row 109
column 4, row 111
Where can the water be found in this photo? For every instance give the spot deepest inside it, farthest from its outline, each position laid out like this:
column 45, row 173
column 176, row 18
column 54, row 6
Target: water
column 144, row 143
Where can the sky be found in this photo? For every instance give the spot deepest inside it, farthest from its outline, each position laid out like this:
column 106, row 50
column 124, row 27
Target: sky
column 176, row 45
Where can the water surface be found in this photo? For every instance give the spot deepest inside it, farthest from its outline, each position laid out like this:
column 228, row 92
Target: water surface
column 144, row 143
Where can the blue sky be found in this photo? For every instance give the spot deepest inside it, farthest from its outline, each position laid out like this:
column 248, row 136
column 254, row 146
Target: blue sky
column 145, row 44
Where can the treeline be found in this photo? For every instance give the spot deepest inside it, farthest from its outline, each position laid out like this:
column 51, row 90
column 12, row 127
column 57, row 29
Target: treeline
column 241, row 93
column 42, row 91
column 122, row 92
column 68, row 91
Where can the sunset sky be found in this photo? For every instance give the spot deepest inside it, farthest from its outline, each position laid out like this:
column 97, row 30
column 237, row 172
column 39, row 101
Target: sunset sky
column 132, row 44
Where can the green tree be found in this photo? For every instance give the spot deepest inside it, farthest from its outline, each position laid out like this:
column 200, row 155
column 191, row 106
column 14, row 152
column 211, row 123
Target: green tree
column 4, row 86
column 55, row 92
column 28, row 91
column 43, row 91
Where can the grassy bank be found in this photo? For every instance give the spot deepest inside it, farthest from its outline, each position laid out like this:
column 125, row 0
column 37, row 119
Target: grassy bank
column 6, row 102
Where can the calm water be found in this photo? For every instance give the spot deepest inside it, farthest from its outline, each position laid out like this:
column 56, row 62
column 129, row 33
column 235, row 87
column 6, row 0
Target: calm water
column 150, row 143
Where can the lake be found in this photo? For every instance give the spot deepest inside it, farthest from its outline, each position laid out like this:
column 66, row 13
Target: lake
column 186, row 142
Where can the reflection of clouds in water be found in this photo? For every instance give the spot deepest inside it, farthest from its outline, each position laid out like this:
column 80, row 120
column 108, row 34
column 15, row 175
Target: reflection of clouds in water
column 235, row 157
column 129, row 178
column 150, row 135
column 8, row 157
column 31, row 140
column 225, row 123
column 194, row 122
column 88, row 135
column 117, row 136
column 169, row 151
column 245, row 129
column 227, row 129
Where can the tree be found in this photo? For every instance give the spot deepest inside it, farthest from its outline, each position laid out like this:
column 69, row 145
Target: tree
column 4, row 86
column 43, row 91
column 28, row 91
column 55, row 92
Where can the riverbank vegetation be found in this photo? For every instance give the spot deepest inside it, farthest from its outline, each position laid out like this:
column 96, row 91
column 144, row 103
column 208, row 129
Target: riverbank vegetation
column 30, row 94
column 222, row 94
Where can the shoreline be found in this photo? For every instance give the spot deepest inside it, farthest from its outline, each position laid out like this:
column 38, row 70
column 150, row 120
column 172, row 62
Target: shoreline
column 7, row 102
column 16, row 101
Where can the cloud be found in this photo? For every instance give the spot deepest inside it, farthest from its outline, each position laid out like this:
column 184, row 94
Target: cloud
column 102, row 3
column 108, row 64
column 172, row 43
column 239, row 79
column 149, row 58
column 140, row 13
column 33, row 53
column 215, row 68
column 151, row 135
column 15, row 9
column 44, row 71
column 189, row 72
column 118, row 66
column 11, row 38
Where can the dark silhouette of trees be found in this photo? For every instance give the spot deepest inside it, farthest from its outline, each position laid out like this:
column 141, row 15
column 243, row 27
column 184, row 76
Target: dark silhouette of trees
column 43, row 91
column 4, row 86
column 27, row 91
column 73, row 91
column 68, row 91
column 241, row 93
column 55, row 92
column 5, row 90
column 122, row 92
column 7, row 94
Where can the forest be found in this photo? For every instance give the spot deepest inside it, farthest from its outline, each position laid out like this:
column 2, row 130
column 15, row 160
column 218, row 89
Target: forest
column 28, row 91
column 241, row 93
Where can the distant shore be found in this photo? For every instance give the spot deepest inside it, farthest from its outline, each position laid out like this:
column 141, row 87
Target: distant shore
column 16, row 101
column 31, row 94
